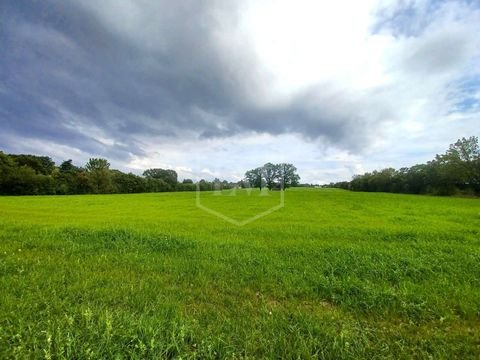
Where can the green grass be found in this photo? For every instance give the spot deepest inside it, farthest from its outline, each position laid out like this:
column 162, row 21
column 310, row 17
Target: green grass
column 332, row 274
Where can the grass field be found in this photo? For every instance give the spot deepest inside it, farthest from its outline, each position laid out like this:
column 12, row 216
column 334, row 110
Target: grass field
column 332, row 274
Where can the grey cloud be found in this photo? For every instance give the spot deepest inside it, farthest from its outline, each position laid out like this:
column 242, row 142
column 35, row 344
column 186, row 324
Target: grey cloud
column 444, row 51
column 156, row 68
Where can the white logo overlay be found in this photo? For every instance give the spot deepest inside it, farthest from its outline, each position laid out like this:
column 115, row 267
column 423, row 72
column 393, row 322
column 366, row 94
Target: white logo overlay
column 210, row 208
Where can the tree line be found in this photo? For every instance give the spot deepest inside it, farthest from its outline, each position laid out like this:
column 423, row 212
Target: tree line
column 38, row 175
column 272, row 177
column 457, row 171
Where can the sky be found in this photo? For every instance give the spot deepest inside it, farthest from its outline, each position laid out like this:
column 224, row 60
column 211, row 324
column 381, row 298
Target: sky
column 213, row 88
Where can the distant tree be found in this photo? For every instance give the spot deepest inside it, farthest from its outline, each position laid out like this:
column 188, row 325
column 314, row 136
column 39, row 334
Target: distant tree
column 170, row 177
column 271, row 175
column 5, row 161
column 186, row 185
column 217, row 185
column 156, row 185
column 465, row 150
column 254, row 178
column 94, row 164
column 127, row 183
column 66, row 178
column 68, row 167
column 460, row 165
column 99, row 175
column 26, row 175
column 6, row 168
column 455, row 171
column 287, row 175
column 40, row 164
column 23, row 180
column 83, row 184
column 204, row 185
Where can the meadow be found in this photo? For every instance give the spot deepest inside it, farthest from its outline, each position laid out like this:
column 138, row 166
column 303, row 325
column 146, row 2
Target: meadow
column 331, row 275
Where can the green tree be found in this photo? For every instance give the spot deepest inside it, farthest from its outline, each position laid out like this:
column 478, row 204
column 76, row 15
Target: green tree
column 271, row 175
column 254, row 178
column 26, row 175
column 127, row 183
column 458, row 170
column 170, row 177
column 95, row 164
column 66, row 178
column 7, row 166
column 287, row 175
column 99, row 175
column 68, row 167
column 40, row 164
column 460, row 165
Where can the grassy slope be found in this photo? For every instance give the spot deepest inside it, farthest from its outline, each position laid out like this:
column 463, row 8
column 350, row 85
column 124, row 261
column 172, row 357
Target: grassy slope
column 333, row 274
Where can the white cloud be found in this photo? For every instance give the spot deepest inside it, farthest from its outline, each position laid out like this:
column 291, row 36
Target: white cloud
column 335, row 87
column 399, row 83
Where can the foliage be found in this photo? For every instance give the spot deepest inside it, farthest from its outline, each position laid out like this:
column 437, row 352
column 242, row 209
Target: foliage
column 272, row 176
column 456, row 171
column 254, row 178
column 168, row 176
column 97, row 164
column 19, row 178
column 287, row 173
column 40, row 164
column 127, row 183
column 99, row 176
column 38, row 175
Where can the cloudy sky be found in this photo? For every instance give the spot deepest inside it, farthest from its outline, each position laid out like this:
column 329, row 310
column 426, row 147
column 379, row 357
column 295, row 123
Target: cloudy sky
column 212, row 88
